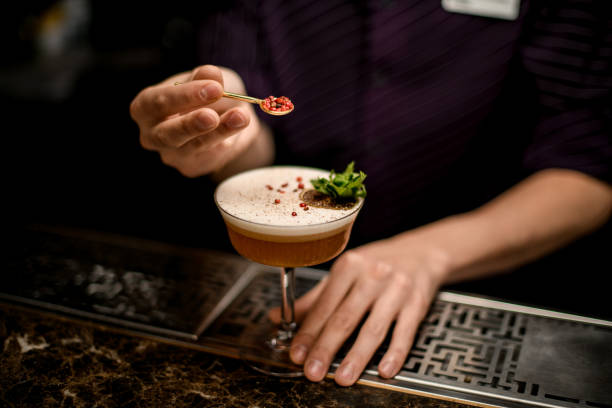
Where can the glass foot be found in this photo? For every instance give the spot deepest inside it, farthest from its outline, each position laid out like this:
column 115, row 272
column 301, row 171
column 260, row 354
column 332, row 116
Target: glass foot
column 277, row 371
column 272, row 358
column 280, row 341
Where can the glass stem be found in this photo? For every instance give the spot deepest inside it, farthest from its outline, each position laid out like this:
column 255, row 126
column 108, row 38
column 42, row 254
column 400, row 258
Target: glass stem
column 288, row 324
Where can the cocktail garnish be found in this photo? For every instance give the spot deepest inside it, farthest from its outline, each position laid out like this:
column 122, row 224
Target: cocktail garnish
column 347, row 184
column 277, row 104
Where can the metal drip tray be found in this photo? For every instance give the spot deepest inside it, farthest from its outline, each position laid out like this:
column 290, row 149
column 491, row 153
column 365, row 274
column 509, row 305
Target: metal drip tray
column 469, row 349
column 498, row 354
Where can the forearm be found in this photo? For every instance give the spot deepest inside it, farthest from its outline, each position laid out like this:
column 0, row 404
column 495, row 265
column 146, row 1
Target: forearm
column 539, row 215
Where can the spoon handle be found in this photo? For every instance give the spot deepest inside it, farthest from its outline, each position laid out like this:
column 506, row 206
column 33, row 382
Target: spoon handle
column 244, row 98
column 232, row 95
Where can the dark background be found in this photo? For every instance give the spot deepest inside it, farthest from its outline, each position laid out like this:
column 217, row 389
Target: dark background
column 71, row 151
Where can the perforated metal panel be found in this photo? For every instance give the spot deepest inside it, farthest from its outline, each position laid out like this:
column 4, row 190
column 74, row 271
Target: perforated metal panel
column 514, row 357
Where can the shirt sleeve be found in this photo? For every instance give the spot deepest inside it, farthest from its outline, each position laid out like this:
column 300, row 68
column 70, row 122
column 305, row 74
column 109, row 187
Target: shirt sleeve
column 568, row 53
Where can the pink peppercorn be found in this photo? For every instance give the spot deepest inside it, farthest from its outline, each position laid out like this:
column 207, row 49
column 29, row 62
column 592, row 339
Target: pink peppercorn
column 282, row 103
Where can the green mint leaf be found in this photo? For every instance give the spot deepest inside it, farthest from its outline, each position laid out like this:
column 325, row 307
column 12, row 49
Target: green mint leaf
column 347, row 184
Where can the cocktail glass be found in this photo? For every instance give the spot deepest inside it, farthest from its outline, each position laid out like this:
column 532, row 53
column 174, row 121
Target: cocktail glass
column 286, row 247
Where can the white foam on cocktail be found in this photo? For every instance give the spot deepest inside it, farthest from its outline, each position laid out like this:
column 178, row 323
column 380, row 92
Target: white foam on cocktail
column 251, row 205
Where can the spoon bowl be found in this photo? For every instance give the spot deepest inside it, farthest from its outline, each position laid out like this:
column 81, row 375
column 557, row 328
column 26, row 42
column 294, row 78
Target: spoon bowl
column 263, row 107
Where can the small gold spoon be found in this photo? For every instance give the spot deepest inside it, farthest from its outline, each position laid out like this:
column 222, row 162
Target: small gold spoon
column 256, row 101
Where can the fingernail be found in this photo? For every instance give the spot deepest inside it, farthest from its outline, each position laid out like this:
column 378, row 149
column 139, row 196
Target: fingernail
column 236, row 120
column 205, row 122
column 386, row 368
column 299, row 353
column 210, row 91
column 314, row 368
column 346, row 372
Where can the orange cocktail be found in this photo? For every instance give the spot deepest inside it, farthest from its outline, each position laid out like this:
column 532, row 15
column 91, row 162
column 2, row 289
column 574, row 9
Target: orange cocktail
column 273, row 219
column 269, row 222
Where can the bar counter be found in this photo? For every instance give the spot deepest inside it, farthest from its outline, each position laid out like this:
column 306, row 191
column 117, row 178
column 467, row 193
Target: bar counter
column 97, row 319
column 53, row 362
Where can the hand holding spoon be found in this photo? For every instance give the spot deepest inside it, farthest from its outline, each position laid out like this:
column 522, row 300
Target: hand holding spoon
column 277, row 106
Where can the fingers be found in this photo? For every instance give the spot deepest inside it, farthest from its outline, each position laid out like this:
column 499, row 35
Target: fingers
column 195, row 130
column 156, row 103
column 406, row 326
column 339, row 327
column 203, row 86
column 207, row 72
column 373, row 331
column 177, row 131
column 359, row 284
column 230, row 123
column 340, row 281
column 344, row 320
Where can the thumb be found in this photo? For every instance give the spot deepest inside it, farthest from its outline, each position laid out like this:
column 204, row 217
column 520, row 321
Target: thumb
column 207, row 72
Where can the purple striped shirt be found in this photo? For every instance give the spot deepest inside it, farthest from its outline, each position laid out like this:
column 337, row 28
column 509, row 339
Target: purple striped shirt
column 443, row 111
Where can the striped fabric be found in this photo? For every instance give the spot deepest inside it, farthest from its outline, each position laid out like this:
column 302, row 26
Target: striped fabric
column 442, row 111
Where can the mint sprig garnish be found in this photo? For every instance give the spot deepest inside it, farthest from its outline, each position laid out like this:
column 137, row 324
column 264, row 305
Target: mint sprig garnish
column 347, row 184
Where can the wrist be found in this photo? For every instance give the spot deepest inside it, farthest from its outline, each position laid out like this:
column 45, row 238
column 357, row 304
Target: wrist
column 421, row 249
column 449, row 246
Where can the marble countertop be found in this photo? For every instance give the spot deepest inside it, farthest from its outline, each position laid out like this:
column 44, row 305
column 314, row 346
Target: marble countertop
column 48, row 361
